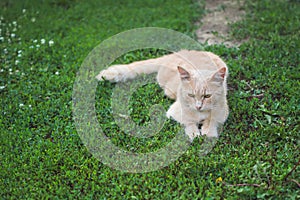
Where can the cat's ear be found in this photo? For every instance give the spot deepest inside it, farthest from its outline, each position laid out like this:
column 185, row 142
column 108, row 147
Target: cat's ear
column 184, row 75
column 219, row 76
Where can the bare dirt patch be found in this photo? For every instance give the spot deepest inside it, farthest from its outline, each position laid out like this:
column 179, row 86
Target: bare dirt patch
column 215, row 24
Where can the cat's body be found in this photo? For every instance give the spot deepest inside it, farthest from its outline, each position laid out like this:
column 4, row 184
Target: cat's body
column 195, row 79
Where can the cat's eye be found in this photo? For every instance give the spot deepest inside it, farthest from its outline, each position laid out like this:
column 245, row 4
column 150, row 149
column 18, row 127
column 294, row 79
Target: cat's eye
column 207, row 96
column 191, row 95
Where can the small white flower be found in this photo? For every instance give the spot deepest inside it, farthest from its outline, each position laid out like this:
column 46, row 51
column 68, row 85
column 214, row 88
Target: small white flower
column 29, row 105
column 12, row 35
column 17, row 71
column 10, row 70
column 51, row 42
column 37, row 46
column 31, row 68
column 1, row 70
column 33, row 19
column 1, row 38
column 56, row 73
column 2, row 87
column 31, row 47
column 14, row 23
column 21, row 105
column 34, row 41
column 17, row 62
column 43, row 41
column 24, row 11
column 20, row 53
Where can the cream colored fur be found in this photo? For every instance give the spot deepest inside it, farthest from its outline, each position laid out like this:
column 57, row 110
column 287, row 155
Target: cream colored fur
column 195, row 79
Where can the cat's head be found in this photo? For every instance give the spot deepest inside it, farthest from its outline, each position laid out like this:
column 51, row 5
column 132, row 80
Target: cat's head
column 202, row 89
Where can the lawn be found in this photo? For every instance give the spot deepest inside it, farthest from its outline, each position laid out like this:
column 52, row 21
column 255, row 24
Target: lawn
column 43, row 44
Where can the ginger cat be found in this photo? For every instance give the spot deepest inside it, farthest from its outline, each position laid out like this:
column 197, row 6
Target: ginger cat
column 195, row 79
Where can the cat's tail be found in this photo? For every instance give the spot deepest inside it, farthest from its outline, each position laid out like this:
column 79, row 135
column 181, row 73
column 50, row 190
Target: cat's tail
column 120, row 73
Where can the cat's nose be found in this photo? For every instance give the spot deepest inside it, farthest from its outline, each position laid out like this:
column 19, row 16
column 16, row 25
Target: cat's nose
column 198, row 105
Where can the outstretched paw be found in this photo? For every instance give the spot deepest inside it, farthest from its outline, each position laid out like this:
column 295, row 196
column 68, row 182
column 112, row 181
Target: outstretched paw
column 107, row 74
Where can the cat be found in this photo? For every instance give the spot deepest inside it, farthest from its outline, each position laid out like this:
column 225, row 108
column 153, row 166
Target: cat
column 196, row 80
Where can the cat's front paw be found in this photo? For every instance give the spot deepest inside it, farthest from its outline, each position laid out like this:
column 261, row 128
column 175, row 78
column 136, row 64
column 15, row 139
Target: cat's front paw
column 194, row 135
column 210, row 133
column 192, row 132
column 108, row 74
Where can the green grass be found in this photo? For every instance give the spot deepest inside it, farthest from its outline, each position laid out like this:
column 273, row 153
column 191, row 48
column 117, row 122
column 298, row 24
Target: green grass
column 42, row 156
